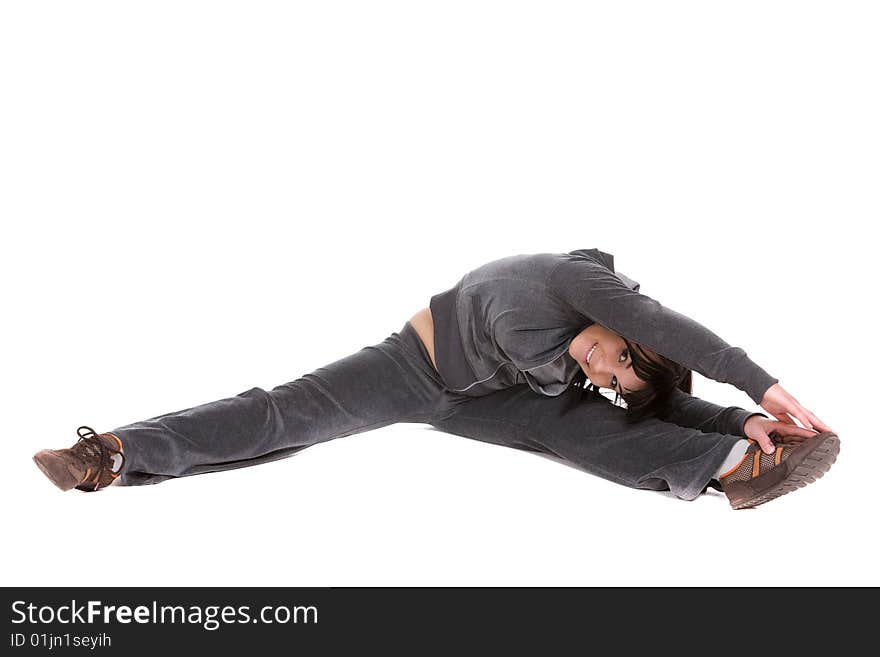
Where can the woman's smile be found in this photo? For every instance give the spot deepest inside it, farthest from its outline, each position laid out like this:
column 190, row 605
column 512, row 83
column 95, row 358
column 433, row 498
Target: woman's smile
column 590, row 353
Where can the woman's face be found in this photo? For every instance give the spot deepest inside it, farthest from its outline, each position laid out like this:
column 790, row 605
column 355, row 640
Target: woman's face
column 605, row 359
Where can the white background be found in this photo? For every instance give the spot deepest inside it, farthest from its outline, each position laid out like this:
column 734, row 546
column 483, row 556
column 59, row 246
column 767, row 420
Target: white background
column 202, row 197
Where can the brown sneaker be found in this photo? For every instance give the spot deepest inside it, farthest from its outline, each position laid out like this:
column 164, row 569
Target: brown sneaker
column 761, row 477
column 95, row 461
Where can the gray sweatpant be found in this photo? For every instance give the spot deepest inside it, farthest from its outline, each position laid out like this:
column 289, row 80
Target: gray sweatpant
column 394, row 381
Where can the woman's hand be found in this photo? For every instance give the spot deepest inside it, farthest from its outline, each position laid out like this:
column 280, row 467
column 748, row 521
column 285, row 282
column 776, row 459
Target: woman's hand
column 759, row 428
column 783, row 407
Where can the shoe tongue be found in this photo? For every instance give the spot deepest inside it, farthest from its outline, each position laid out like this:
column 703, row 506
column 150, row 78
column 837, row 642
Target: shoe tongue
column 115, row 461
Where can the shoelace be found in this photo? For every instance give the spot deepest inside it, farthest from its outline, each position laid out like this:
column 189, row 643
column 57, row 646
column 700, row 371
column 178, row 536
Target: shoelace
column 90, row 446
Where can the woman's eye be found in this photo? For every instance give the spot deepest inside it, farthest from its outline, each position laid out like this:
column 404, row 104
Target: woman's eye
column 625, row 354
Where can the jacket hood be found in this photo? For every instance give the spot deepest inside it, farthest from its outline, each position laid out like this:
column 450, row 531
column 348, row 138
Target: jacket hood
column 607, row 259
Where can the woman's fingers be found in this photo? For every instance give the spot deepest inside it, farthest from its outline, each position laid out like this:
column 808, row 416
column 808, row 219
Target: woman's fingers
column 818, row 424
column 783, row 406
column 795, row 410
column 790, row 431
column 802, row 416
column 809, row 420
column 765, row 442
column 806, row 416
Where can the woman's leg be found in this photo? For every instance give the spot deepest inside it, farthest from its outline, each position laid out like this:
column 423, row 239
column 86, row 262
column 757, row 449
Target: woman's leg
column 389, row 382
column 592, row 434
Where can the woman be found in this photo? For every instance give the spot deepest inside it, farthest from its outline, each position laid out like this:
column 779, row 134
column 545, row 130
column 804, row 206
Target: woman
column 504, row 357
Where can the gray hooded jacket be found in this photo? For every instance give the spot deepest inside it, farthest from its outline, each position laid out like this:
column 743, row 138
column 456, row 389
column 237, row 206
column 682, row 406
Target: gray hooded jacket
column 511, row 321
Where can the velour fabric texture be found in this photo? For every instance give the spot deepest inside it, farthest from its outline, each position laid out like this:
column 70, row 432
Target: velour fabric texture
column 512, row 320
column 394, row 381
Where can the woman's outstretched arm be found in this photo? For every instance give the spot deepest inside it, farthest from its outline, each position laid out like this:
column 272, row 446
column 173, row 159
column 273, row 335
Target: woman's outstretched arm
column 687, row 410
column 596, row 292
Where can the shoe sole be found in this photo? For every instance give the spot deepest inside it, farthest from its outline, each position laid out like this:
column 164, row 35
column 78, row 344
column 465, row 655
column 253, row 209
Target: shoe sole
column 55, row 468
column 814, row 465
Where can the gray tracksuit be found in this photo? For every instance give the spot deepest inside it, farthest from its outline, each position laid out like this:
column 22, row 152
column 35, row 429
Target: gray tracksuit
column 501, row 336
column 511, row 321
